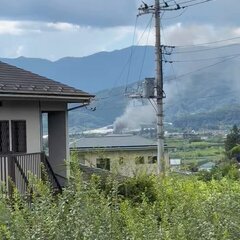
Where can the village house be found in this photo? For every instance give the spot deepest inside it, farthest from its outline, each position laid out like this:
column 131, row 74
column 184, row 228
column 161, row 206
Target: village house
column 124, row 154
column 24, row 98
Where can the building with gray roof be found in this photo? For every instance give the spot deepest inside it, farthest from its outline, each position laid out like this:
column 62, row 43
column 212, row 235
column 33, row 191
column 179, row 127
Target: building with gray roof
column 114, row 142
column 124, row 154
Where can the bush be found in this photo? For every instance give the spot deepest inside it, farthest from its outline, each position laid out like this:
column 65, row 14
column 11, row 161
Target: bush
column 138, row 187
column 223, row 170
column 151, row 208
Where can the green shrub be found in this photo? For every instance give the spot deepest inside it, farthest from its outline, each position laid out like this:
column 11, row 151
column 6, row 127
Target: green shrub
column 137, row 187
column 223, row 170
column 144, row 207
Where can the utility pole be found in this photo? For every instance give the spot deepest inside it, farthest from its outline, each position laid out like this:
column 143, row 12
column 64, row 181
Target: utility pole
column 159, row 51
column 159, row 93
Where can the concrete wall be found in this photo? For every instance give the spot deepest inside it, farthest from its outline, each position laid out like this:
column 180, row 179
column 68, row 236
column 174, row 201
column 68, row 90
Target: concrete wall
column 58, row 141
column 122, row 162
column 29, row 111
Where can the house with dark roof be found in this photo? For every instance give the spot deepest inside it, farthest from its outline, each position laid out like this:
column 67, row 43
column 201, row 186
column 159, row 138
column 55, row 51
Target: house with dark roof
column 24, row 98
column 124, row 154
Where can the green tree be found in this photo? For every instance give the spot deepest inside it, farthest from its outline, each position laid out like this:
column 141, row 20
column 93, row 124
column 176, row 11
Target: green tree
column 233, row 138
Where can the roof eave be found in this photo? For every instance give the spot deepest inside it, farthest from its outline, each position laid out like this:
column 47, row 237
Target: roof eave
column 66, row 98
column 115, row 148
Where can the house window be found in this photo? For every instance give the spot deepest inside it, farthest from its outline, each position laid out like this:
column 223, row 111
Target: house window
column 103, row 163
column 139, row 160
column 19, row 141
column 121, row 160
column 152, row 159
column 4, row 137
column 81, row 158
column 82, row 161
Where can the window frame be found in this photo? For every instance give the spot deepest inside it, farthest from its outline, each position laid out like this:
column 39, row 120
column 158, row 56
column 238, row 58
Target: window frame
column 106, row 165
column 8, row 137
column 152, row 159
column 15, row 136
column 139, row 160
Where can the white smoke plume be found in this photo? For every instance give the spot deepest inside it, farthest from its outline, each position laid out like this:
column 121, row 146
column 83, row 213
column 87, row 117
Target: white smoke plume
column 139, row 113
column 134, row 117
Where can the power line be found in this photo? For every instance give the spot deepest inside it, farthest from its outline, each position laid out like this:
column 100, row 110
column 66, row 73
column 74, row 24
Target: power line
column 226, row 58
column 128, row 62
column 203, row 68
column 208, row 43
column 173, row 71
column 145, row 50
column 182, row 75
column 189, row 1
column 180, row 5
column 132, row 51
column 175, row 52
column 131, row 54
column 174, row 3
column 200, row 60
column 181, row 98
column 194, row 4
column 179, row 15
column 205, row 49
column 147, row 9
column 205, row 97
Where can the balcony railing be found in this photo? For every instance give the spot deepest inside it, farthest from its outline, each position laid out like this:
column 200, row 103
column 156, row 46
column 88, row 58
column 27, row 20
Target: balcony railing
column 15, row 169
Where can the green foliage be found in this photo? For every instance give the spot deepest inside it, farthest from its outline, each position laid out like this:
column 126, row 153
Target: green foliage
column 234, row 153
column 144, row 207
column 233, row 138
column 224, row 170
column 137, row 187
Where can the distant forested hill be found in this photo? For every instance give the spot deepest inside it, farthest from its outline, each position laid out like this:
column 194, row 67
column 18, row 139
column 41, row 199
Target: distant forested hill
column 96, row 72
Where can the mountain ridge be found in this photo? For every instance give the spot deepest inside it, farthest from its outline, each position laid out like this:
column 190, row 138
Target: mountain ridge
column 109, row 74
column 84, row 72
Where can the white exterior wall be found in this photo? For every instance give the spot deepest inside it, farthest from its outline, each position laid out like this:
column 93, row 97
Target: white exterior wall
column 128, row 167
column 29, row 111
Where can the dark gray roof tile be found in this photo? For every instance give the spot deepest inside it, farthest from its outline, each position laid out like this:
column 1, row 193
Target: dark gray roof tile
column 113, row 141
column 14, row 80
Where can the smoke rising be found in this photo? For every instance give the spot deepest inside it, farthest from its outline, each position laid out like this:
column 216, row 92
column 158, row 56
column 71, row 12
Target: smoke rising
column 139, row 113
column 134, row 117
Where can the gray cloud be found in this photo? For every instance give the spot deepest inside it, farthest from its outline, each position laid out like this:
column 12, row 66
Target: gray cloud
column 114, row 12
column 81, row 12
column 217, row 12
column 57, row 28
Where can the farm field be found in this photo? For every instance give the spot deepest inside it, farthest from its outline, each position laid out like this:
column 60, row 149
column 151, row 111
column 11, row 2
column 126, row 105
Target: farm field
column 197, row 151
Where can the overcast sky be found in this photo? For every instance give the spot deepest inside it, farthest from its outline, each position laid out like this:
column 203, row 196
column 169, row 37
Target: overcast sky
column 53, row 29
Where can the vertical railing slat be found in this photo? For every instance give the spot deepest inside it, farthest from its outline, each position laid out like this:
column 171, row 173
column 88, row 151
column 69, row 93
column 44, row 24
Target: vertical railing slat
column 18, row 167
